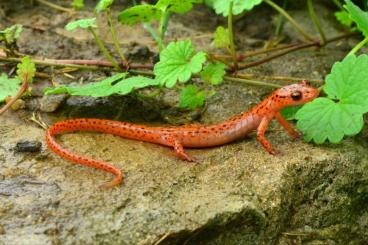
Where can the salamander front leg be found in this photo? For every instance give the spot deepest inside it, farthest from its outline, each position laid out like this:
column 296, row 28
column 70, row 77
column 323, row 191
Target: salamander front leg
column 292, row 132
column 179, row 150
column 260, row 135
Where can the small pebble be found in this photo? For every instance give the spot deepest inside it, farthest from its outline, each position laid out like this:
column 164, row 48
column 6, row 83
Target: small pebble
column 28, row 146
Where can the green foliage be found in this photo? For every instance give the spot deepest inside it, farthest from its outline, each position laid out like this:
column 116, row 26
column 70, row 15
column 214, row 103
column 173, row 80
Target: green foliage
column 26, row 69
column 11, row 34
column 8, row 86
column 176, row 6
column 289, row 112
column 112, row 85
column 341, row 113
column 78, row 4
column 221, row 38
column 239, row 6
column 343, row 18
column 82, row 23
column 103, row 5
column 191, row 97
column 178, row 62
column 213, row 73
column 139, row 13
column 358, row 16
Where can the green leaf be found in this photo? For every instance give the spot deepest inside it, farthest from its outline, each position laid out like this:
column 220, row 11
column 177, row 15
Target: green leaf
column 26, row 69
column 11, row 34
column 78, row 4
column 239, row 6
column 139, row 13
column 341, row 113
column 358, row 16
column 324, row 119
column 8, row 86
column 103, row 5
column 178, row 61
column 343, row 18
column 221, row 38
column 191, row 97
column 82, row 23
column 176, row 6
column 213, row 73
column 112, row 85
column 289, row 112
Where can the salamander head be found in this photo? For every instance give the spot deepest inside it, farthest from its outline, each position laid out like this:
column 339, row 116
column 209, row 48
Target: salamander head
column 295, row 94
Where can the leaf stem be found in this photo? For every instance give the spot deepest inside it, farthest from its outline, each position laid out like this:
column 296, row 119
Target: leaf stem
column 280, row 20
column 19, row 94
column 103, row 49
column 163, row 27
column 358, row 46
column 315, row 21
column 251, row 82
column 231, row 35
column 289, row 18
column 54, row 6
column 115, row 40
column 338, row 4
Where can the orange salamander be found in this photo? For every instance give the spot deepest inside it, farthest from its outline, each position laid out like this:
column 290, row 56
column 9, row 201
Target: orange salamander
column 193, row 136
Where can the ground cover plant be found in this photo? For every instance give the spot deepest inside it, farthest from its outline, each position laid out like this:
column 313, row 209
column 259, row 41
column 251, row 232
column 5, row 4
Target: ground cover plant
column 337, row 114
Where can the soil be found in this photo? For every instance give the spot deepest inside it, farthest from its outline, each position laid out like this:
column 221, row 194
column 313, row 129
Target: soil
column 236, row 194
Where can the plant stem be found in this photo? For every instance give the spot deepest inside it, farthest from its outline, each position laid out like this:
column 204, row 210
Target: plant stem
column 289, row 18
column 19, row 94
column 294, row 48
column 338, row 4
column 162, row 28
column 231, row 35
column 115, row 40
column 315, row 20
column 153, row 32
column 54, row 6
column 277, row 78
column 358, row 46
column 251, row 82
column 280, row 20
column 104, row 50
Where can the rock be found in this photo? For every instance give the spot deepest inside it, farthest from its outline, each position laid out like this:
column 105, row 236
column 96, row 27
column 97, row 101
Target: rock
column 50, row 103
column 28, row 146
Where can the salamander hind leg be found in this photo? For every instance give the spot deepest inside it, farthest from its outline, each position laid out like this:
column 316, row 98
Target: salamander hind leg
column 178, row 148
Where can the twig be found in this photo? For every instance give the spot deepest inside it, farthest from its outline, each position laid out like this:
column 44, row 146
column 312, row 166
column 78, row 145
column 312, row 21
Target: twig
column 54, row 6
column 251, row 82
column 296, row 47
column 277, row 78
column 19, row 94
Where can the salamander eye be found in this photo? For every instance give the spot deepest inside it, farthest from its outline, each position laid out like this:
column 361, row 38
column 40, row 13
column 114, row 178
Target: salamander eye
column 297, row 95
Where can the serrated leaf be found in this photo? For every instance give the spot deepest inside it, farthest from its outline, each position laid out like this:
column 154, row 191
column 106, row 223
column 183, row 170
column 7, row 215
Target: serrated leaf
column 213, row 73
column 103, row 5
column 324, row 119
column 82, row 23
column 8, row 86
column 221, row 37
column 343, row 18
column 191, row 97
column 239, row 6
column 341, row 113
column 138, row 14
column 26, row 69
column 176, row 6
column 78, row 4
column 358, row 16
column 178, row 61
column 11, row 34
column 112, row 85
